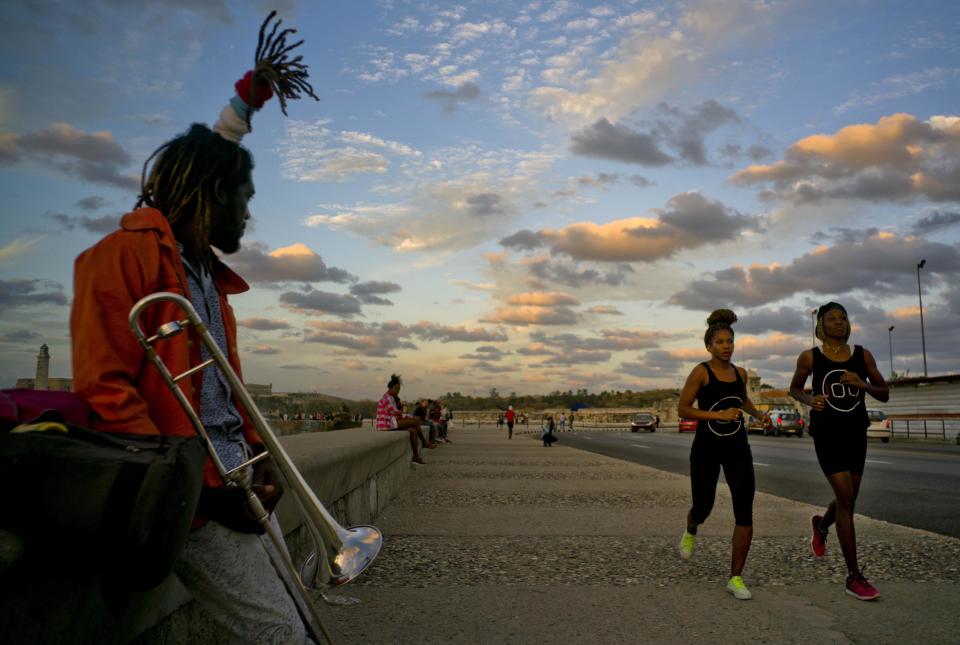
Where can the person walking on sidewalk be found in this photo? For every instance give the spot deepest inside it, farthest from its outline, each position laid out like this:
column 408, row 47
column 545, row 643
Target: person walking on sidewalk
column 838, row 424
column 510, row 416
column 719, row 389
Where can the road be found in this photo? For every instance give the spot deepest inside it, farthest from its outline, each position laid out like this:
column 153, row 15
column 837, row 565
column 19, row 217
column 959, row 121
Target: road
column 913, row 484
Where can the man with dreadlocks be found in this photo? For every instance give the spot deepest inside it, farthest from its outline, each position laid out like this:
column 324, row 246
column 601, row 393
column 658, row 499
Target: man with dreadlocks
column 194, row 199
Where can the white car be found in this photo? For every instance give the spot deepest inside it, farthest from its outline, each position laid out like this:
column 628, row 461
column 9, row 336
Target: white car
column 879, row 427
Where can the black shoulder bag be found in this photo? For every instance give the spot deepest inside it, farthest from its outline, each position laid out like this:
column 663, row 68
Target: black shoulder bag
column 110, row 505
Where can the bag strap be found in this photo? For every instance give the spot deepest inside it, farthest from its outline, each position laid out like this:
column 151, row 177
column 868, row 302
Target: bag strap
column 9, row 412
column 106, row 439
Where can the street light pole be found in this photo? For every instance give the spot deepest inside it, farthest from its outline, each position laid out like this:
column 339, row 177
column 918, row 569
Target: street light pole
column 890, row 338
column 923, row 340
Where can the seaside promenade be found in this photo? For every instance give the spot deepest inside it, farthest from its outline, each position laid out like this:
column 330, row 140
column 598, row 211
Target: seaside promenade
column 505, row 541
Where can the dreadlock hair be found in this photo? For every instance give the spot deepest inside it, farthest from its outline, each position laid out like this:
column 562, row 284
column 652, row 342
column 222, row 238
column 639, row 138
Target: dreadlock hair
column 719, row 319
column 286, row 76
column 183, row 179
column 394, row 381
column 821, row 314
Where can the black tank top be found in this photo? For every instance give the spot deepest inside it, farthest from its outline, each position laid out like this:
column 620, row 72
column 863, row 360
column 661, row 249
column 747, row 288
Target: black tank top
column 719, row 395
column 845, row 409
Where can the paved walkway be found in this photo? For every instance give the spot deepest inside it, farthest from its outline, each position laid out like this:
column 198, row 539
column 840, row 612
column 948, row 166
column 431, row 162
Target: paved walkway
column 498, row 541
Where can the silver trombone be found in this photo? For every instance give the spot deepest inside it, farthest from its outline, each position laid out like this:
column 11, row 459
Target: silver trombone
column 348, row 551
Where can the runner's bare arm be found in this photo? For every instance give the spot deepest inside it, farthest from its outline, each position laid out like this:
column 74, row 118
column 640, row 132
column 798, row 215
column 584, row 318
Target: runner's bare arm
column 877, row 386
column 800, row 375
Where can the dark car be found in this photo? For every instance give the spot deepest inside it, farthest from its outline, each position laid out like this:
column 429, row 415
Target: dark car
column 785, row 422
column 687, row 425
column 644, row 421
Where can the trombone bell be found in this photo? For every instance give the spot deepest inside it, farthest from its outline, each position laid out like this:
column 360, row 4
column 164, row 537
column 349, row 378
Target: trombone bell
column 359, row 545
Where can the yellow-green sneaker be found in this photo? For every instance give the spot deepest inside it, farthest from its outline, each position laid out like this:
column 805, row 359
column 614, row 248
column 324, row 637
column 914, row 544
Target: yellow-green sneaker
column 738, row 589
column 688, row 542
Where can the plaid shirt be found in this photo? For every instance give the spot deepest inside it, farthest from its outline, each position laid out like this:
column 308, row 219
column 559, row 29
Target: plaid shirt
column 387, row 412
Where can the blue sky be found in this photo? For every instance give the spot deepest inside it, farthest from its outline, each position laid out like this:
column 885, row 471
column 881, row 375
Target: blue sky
column 529, row 196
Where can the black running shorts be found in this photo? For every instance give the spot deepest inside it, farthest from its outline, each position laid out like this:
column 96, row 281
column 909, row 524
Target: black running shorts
column 841, row 450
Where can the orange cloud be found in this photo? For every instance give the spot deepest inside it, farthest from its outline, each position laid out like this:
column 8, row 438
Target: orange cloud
column 611, row 241
column 906, row 312
column 543, row 299
column 294, row 250
column 898, row 157
column 775, row 344
column 607, row 310
column 688, row 220
column 532, row 315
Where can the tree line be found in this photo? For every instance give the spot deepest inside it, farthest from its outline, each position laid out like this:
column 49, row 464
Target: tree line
column 558, row 399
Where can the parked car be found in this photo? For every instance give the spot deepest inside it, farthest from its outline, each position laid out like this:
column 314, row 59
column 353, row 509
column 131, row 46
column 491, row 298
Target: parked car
column 785, row 422
column 687, row 425
column 754, row 425
column 644, row 421
column 879, row 427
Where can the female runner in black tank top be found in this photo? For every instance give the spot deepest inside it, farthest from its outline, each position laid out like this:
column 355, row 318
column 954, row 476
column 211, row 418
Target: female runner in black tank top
column 721, row 442
column 838, row 425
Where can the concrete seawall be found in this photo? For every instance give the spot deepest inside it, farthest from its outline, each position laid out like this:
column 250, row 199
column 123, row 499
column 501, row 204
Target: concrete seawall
column 355, row 473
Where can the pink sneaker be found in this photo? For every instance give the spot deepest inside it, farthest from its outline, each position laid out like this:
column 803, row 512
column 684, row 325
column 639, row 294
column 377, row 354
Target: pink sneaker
column 819, row 539
column 859, row 588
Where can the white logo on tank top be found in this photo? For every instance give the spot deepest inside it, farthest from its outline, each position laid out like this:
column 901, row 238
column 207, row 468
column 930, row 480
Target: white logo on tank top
column 726, row 428
column 839, row 395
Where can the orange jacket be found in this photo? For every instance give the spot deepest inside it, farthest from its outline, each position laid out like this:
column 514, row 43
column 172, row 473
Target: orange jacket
column 110, row 369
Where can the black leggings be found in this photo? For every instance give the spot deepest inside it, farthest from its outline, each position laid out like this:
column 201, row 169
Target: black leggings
column 737, row 469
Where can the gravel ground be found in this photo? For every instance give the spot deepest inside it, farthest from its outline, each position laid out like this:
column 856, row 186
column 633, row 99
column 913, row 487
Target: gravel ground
column 475, row 573
column 418, row 561
column 537, row 499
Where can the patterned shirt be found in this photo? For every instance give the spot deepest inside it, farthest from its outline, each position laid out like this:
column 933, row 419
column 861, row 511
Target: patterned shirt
column 387, row 412
column 217, row 412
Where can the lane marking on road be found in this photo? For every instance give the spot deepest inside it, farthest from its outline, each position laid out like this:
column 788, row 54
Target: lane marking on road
column 877, row 461
column 638, row 445
column 760, row 463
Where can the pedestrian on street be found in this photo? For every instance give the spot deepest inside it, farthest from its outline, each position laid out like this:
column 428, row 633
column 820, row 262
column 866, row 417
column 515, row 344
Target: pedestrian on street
column 838, row 424
column 548, row 435
column 510, row 417
column 719, row 388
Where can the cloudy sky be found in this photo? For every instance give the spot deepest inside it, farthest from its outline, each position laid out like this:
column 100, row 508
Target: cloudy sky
column 532, row 196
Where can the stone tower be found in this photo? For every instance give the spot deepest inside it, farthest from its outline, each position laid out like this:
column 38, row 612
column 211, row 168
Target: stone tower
column 43, row 369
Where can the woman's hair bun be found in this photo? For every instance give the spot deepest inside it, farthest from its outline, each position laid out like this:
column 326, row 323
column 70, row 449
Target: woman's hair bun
column 722, row 316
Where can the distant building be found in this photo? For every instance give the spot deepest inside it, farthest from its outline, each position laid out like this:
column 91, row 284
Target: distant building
column 256, row 389
column 42, row 380
column 55, row 384
column 922, row 396
column 43, row 368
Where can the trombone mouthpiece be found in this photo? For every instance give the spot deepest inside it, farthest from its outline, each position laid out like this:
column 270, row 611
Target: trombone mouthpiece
column 169, row 329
